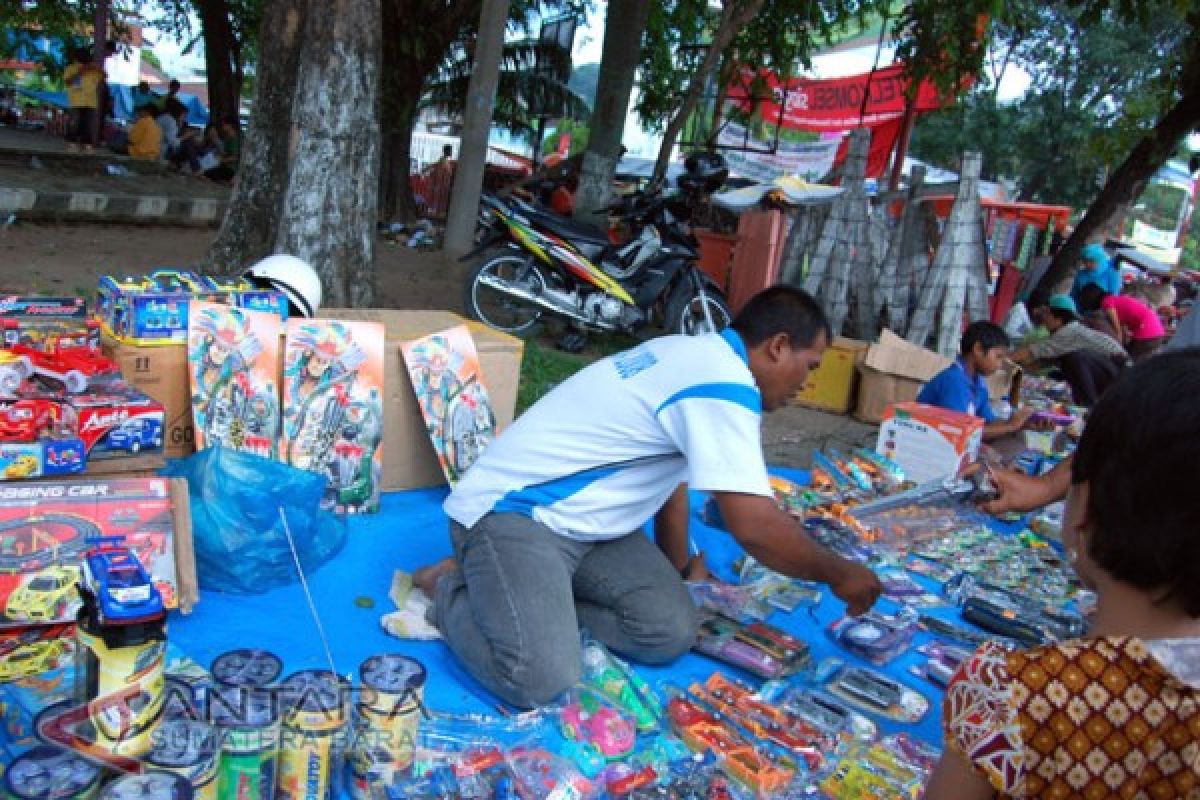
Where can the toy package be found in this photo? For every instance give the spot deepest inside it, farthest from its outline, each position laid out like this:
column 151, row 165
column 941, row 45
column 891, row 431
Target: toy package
column 448, row 382
column 233, row 366
column 37, row 670
column 44, row 528
column 29, row 320
column 622, row 686
column 876, row 636
column 895, row 767
column 876, row 693
column 333, row 408
column 822, row 711
column 758, row 648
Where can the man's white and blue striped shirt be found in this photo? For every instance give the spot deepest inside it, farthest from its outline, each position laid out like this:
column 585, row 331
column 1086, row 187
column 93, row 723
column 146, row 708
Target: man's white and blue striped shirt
column 600, row 454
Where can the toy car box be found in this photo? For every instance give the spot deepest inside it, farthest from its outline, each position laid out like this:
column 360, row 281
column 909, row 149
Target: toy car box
column 44, row 531
column 41, row 459
column 118, row 420
column 37, row 670
column 28, row 320
column 153, row 309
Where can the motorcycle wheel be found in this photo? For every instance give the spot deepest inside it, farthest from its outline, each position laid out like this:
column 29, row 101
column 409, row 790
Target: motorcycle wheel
column 495, row 309
column 685, row 312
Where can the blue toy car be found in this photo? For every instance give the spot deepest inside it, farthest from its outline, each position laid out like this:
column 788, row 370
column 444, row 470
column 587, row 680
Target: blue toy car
column 137, row 433
column 123, row 591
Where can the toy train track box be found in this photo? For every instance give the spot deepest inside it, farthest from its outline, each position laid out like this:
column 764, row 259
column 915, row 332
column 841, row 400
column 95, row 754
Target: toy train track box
column 28, row 320
column 45, row 528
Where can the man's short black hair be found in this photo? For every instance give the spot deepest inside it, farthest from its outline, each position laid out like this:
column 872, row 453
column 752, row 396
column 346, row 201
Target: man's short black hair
column 1062, row 315
column 1091, row 297
column 173, row 86
column 782, row 309
column 985, row 333
column 1138, row 457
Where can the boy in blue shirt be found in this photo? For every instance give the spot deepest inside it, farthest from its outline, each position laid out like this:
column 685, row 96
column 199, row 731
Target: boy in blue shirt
column 960, row 386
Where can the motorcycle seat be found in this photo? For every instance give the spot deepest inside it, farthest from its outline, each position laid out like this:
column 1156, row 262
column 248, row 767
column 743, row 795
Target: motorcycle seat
column 569, row 229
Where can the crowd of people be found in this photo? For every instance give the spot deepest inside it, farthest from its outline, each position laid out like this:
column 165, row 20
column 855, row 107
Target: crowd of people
column 161, row 130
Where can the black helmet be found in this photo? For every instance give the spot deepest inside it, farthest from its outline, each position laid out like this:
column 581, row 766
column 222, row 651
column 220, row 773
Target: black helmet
column 704, row 172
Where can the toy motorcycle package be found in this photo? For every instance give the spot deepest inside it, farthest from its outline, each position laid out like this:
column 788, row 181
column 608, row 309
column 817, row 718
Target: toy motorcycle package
column 233, row 369
column 333, row 408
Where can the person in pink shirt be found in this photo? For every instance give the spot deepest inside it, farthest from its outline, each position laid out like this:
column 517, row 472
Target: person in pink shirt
column 1140, row 328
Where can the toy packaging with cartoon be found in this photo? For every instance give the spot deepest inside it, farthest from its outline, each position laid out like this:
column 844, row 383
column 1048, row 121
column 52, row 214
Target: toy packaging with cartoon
column 233, row 365
column 44, row 529
column 333, row 408
column 448, row 382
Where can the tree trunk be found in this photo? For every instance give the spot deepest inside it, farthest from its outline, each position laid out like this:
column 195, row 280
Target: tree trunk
column 623, row 28
column 734, row 16
column 477, row 124
column 400, row 95
column 224, row 89
column 1127, row 181
column 251, row 224
column 330, row 206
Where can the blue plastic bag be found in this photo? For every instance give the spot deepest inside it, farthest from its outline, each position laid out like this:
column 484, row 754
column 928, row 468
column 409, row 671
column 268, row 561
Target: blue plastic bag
column 237, row 529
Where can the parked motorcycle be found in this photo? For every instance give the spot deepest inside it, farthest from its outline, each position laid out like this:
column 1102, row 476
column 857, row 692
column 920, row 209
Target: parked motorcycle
column 534, row 264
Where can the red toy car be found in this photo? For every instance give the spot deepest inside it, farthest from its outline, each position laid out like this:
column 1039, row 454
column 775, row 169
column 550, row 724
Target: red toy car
column 27, row 420
column 69, row 359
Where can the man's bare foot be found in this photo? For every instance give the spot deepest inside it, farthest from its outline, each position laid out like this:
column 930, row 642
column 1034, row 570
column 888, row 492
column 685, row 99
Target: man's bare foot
column 426, row 578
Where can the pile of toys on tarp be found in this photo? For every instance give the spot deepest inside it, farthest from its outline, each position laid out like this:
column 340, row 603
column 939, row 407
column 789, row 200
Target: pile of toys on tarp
column 62, row 403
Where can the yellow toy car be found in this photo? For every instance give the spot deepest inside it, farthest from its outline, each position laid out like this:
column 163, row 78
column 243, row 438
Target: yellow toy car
column 46, row 596
column 21, row 467
column 31, row 659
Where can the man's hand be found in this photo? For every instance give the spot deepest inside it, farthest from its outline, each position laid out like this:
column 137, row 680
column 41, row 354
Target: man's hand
column 1021, row 417
column 1020, row 492
column 859, row 588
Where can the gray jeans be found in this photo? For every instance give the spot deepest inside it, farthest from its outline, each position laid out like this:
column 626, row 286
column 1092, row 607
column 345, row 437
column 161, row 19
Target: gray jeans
column 513, row 610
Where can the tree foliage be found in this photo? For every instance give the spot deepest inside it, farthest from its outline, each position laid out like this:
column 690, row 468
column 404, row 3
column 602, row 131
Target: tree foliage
column 68, row 23
column 578, row 131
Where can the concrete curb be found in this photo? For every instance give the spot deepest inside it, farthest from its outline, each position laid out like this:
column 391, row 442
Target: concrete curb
column 27, row 204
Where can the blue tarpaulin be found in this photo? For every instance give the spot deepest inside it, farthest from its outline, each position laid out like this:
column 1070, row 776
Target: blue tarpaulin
column 123, row 103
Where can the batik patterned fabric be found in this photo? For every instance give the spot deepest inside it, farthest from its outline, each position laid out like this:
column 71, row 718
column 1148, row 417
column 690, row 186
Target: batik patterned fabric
column 1092, row 718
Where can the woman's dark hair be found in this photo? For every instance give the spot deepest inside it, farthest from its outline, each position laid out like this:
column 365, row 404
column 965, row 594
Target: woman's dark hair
column 1138, row 457
column 1091, row 297
column 985, row 333
column 782, row 309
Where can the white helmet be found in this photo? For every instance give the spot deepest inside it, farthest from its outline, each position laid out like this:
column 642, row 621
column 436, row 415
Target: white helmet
column 291, row 276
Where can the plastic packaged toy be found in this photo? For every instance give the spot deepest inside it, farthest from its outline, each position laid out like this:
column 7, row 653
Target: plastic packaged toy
column 542, row 775
column 895, row 767
column 594, row 728
column 758, row 648
column 824, row 712
column 876, row 693
column 875, row 636
column 1013, row 615
column 765, row 721
column 942, row 661
column 618, row 683
column 900, row 587
column 742, row 603
column 705, row 732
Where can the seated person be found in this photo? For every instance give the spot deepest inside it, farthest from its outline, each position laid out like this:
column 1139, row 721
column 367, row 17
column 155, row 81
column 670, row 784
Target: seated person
column 170, row 121
column 1115, row 714
column 1090, row 361
column 961, row 386
column 546, row 526
column 1095, row 267
column 1138, row 325
column 226, row 143
column 145, row 140
column 562, row 199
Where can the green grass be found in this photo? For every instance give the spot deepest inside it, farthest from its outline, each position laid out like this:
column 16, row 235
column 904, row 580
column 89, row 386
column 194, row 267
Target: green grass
column 544, row 366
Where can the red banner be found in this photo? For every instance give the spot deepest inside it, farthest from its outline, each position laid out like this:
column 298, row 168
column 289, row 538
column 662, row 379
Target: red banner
column 835, row 104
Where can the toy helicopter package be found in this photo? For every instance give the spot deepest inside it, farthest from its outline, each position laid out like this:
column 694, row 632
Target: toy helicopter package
column 233, row 366
column 45, row 528
column 454, row 402
column 333, row 408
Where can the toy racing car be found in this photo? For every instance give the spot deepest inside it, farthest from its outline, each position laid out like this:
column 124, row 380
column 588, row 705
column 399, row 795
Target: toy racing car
column 116, row 581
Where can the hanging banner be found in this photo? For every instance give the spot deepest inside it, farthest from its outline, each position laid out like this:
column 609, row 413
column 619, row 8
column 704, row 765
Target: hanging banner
column 835, row 104
column 808, row 160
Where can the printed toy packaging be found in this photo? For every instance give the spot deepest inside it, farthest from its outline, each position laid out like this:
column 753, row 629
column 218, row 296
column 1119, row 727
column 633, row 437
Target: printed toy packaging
column 44, row 528
column 37, row 670
column 333, row 408
column 448, row 382
column 233, row 366
column 28, row 320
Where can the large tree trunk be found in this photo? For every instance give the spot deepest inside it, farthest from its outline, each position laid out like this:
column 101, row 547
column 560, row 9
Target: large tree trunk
column 330, row 206
column 1129, row 179
column 625, row 22
column 251, row 224
column 734, row 16
column 224, row 86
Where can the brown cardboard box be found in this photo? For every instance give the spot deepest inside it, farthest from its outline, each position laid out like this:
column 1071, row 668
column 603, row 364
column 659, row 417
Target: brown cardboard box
column 897, row 356
column 879, row 390
column 408, row 457
column 161, row 372
column 830, row 387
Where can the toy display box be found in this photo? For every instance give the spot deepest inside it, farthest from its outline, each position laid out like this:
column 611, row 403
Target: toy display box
column 28, row 320
column 929, row 443
column 37, row 670
column 153, row 309
column 118, row 421
column 44, row 533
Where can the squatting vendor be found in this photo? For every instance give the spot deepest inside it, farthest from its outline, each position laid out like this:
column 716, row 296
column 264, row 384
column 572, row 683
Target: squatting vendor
column 546, row 525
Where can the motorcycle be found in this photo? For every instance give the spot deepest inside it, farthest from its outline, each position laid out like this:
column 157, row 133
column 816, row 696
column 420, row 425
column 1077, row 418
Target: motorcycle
column 535, row 264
